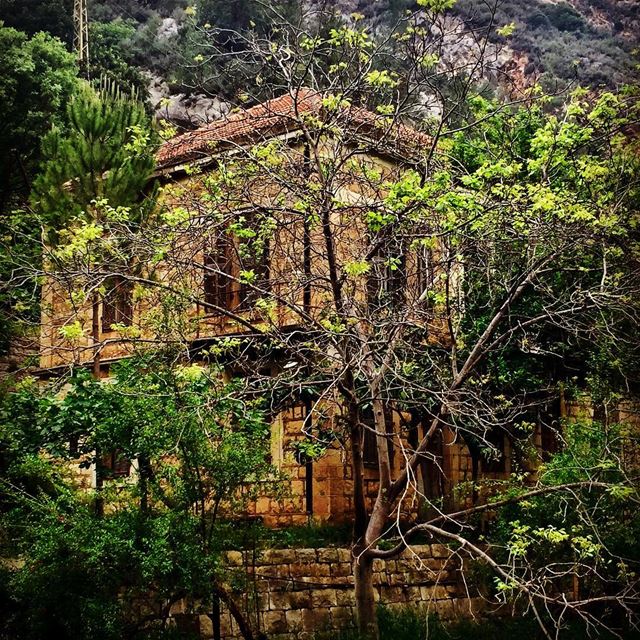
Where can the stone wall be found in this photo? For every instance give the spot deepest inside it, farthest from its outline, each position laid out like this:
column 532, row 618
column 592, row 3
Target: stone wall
column 294, row 593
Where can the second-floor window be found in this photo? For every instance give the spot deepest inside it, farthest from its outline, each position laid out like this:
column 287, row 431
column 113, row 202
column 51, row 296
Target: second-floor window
column 387, row 278
column 115, row 465
column 117, row 303
column 218, row 267
column 254, row 260
column 235, row 273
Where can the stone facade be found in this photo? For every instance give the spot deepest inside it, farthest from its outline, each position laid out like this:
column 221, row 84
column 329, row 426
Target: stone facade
column 294, row 593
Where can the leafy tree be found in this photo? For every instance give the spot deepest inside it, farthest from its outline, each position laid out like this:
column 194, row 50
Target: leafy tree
column 523, row 218
column 37, row 79
column 436, row 272
column 194, row 444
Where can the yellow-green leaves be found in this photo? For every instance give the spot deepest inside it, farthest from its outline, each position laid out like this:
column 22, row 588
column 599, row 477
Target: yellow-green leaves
column 187, row 374
column 506, row 30
column 429, row 60
column 248, row 277
column 385, row 109
column 333, row 102
column 77, row 239
column 382, row 78
column 175, row 216
column 71, row 332
column 351, row 38
column 377, row 220
column 436, row 5
column 357, row 268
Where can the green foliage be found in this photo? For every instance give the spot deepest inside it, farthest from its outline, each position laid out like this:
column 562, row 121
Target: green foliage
column 558, row 39
column 197, row 449
column 111, row 56
column 37, row 79
column 410, row 623
column 106, row 154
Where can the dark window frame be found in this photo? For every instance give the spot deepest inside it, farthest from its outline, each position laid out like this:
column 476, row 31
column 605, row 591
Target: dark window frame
column 114, row 465
column 217, row 285
column 384, row 283
column 222, row 266
column 117, row 304
column 498, row 441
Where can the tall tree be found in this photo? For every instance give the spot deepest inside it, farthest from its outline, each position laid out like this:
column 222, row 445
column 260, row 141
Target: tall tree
column 104, row 155
column 37, row 79
column 437, row 295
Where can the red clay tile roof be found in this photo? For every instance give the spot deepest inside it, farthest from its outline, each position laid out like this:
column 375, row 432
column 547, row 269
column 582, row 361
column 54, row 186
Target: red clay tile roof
column 276, row 117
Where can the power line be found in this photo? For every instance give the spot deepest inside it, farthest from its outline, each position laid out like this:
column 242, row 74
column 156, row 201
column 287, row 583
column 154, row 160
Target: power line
column 81, row 33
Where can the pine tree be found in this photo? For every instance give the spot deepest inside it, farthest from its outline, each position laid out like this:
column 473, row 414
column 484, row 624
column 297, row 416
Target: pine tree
column 105, row 154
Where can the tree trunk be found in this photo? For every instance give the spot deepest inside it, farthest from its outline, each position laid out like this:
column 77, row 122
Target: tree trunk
column 95, row 336
column 243, row 624
column 365, row 600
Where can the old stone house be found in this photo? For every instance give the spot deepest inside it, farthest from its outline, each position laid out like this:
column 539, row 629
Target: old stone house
column 211, row 265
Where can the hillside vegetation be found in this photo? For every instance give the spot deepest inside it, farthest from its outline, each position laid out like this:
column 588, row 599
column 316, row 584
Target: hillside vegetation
column 587, row 42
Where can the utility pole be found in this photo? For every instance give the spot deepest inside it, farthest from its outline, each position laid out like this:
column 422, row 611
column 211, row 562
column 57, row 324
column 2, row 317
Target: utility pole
column 81, row 33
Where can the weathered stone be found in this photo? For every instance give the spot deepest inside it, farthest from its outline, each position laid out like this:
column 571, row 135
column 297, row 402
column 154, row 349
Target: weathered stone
column 344, row 597
column 406, row 565
column 279, row 600
column 391, row 594
column 274, row 622
column 225, row 625
column 318, row 570
column 422, row 550
column 234, row 559
column 344, row 555
column 178, row 607
column 412, row 593
column 300, row 599
column 206, row 627
column 294, row 620
column 390, row 566
column 316, row 619
column 341, row 581
column 342, row 617
column 279, row 556
column 328, row 555
column 397, row 579
column 262, row 585
column 445, row 609
column 298, row 570
column 268, row 571
column 437, row 592
column 440, row 551
column 341, row 569
column 323, row 598
column 318, row 595
column 306, row 556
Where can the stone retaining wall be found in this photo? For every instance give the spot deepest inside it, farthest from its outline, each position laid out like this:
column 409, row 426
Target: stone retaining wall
column 294, row 593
